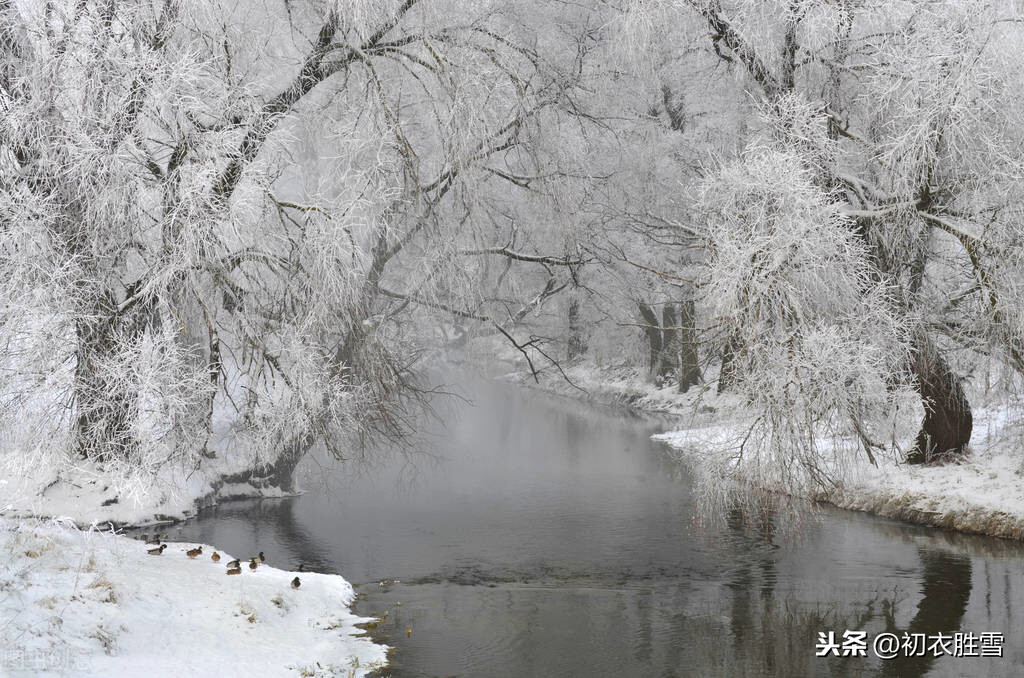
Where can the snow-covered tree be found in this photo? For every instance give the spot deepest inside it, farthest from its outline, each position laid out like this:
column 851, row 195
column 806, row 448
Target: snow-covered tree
column 901, row 116
column 811, row 339
column 218, row 220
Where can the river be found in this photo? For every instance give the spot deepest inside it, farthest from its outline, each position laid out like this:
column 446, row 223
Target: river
column 528, row 535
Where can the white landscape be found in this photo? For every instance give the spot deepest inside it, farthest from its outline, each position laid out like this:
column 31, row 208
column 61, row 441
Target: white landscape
column 93, row 603
column 400, row 290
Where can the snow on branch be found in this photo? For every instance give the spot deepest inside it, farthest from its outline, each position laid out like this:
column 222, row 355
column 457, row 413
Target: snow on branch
column 811, row 335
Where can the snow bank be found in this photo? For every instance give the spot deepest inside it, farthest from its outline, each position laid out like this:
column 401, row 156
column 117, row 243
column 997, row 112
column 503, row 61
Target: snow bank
column 90, row 603
column 983, row 493
column 91, row 494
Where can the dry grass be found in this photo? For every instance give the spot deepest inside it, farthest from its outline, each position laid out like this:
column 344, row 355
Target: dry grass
column 908, row 507
column 104, row 585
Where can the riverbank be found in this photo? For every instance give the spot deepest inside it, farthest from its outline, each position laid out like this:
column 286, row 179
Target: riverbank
column 982, row 494
column 43, row 483
column 94, row 603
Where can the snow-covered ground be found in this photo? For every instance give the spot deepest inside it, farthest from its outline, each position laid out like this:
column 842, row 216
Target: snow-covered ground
column 982, row 493
column 93, row 603
column 55, row 485
column 80, row 489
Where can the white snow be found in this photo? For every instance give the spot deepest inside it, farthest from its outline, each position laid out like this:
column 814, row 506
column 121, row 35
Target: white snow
column 982, row 493
column 80, row 490
column 91, row 494
column 93, row 603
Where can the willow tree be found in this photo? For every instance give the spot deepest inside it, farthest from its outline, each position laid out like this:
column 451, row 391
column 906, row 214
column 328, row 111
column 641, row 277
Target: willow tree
column 903, row 118
column 212, row 243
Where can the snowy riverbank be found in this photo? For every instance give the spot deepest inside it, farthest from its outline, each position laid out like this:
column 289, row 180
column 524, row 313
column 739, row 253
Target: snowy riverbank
column 93, row 603
column 982, row 494
column 43, row 483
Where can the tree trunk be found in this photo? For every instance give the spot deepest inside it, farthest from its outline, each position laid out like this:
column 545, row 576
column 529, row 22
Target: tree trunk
column 577, row 344
column 106, row 410
column 669, row 359
column 689, row 362
column 279, row 475
column 653, row 331
column 947, row 425
column 727, row 374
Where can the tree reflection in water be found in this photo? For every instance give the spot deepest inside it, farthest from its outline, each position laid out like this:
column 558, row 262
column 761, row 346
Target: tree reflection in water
column 945, row 591
column 775, row 635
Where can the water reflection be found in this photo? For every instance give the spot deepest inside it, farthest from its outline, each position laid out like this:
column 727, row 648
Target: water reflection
column 945, row 592
column 768, row 634
column 544, row 538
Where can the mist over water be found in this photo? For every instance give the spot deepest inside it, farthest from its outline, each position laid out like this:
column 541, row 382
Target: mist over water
column 533, row 536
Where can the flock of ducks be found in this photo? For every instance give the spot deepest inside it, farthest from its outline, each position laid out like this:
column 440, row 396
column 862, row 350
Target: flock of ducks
column 234, row 566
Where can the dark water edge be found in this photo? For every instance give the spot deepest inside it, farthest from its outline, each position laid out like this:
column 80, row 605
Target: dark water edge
column 529, row 535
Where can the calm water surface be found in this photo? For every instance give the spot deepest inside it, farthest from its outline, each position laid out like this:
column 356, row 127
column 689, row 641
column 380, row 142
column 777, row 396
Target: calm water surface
column 535, row 536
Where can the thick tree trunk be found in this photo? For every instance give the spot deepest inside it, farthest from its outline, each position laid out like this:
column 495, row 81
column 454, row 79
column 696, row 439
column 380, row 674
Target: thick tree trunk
column 947, row 425
column 280, row 475
column 653, row 331
column 689, row 363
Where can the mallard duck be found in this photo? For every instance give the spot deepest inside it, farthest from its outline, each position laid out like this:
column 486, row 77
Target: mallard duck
column 234, row 570
column 157, row 552
column 215, row 557
column 302, row 567
column 263, row 558
column 253, row 564
column 234, row 563
column 296, row 583
column 155, row 539
column 194, row 552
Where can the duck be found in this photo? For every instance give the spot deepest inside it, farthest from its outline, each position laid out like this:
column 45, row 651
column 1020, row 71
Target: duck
column 253, row 564
column 157, row 551
column 234, row 570
column 302, row 567
column 194, row 552
column 155, row 539
column 263, row 558
column 296, row 583
column 234, row 563
column 215, row 557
